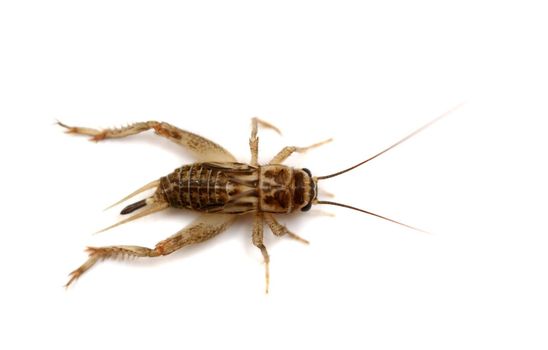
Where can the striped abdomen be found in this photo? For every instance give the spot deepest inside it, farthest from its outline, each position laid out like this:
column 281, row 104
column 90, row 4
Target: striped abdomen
column 212, row 187
column 237, row 188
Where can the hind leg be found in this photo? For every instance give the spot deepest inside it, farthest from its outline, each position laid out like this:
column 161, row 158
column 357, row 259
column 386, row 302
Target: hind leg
column 257, row 237
column 96, row 254
column 202, row 148
column 202, row 229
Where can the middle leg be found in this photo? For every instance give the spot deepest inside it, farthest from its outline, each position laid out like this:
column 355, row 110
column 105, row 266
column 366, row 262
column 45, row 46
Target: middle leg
column 258, row 242
column 254, row 140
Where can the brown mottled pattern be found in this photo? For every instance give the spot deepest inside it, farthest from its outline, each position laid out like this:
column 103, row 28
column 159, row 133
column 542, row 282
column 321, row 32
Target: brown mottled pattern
column 283, row 189
column 212, row 187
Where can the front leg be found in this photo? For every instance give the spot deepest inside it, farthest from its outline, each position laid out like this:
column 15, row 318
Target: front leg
column 202, row 148
column 289, row 150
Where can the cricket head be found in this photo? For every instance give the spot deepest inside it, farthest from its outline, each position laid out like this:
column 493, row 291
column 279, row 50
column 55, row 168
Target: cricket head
column 306, row 187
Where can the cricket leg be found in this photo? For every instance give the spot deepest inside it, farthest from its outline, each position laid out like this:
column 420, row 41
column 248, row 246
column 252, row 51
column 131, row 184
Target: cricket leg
column 202, row 148
column 258, row 242
column 289, row 150
column 280, row 230
column 206, row 226
column 99, row 253
column 254, row 140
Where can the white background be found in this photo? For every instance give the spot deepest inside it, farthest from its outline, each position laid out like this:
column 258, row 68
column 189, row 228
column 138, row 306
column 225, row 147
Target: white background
column 365, row 73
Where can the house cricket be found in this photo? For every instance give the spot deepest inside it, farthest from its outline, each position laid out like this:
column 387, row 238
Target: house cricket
column 221, row 190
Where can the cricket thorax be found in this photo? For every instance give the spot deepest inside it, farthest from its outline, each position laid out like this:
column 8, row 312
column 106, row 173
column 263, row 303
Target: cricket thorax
column 284, row 189
column 237, row 188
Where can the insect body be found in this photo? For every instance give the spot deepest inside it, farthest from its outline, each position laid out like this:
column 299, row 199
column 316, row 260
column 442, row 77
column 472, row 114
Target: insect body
column 220, row 188
column 237, row 188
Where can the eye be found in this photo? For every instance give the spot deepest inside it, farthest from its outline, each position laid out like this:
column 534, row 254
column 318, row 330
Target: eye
column 307, row 171
column 307, row 207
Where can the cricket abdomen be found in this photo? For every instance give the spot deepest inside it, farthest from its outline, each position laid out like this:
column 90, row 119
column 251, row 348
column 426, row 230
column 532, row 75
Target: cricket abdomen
column 212, row 187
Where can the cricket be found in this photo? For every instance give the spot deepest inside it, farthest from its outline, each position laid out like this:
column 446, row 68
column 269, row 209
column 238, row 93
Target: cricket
column 221, row 189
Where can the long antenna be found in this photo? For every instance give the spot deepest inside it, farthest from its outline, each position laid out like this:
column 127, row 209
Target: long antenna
column 394, row 145
column 370, row 213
